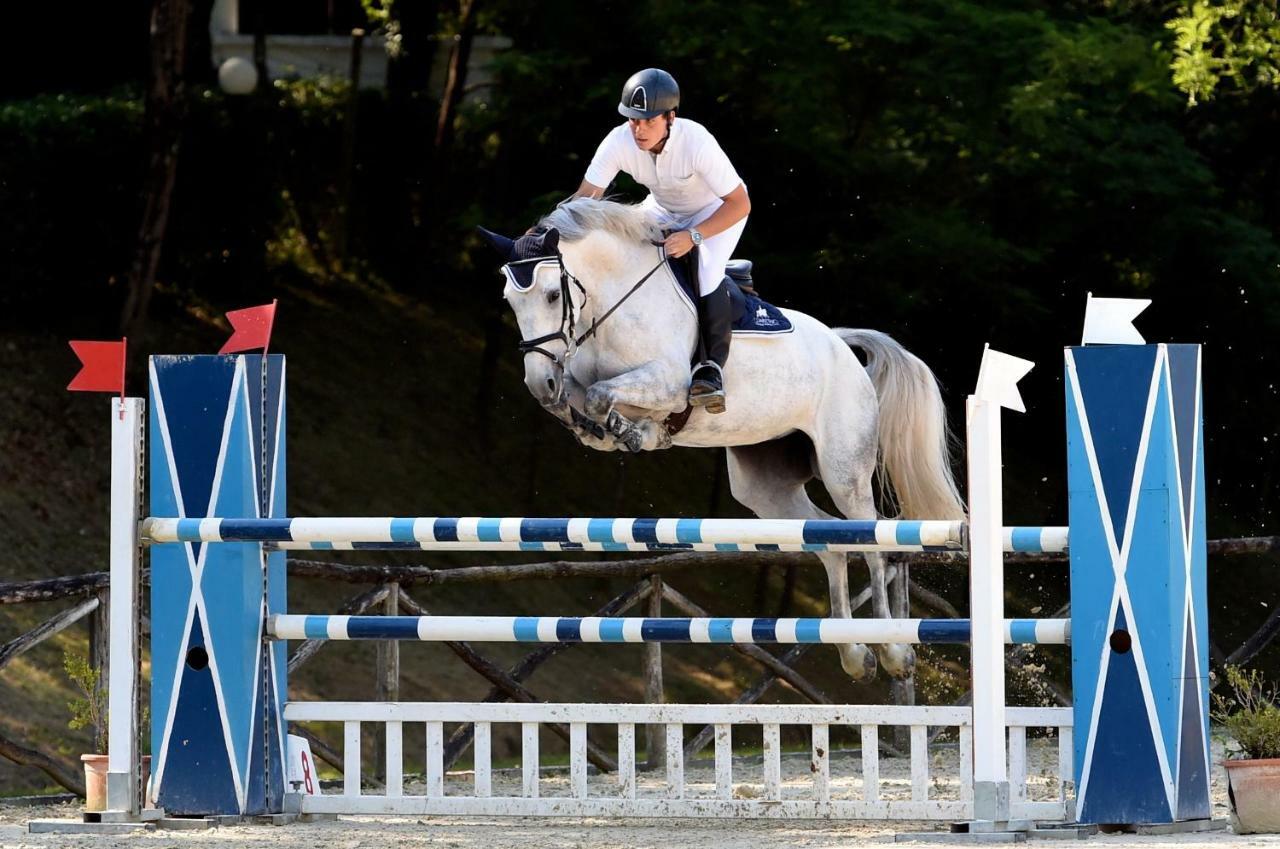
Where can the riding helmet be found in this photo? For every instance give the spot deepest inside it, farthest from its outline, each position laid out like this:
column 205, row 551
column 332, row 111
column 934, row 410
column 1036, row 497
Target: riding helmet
column 649, row 93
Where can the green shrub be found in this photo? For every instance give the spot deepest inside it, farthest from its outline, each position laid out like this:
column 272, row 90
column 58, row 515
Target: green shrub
column 90, row 711
column 1250, row 714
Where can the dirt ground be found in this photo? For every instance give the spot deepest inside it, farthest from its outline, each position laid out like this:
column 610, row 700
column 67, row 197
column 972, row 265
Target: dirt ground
column 528, row 833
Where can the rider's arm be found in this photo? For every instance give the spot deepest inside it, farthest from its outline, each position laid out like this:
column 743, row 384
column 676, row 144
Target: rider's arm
column 736, row 206
column 604, row 166
column 589, row 190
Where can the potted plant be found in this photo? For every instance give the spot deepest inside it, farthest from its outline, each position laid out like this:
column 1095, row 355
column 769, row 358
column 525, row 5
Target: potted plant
column 1250, row 713
column 90, row 711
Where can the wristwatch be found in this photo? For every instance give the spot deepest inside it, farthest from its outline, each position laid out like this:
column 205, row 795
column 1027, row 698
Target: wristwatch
column 696, row 236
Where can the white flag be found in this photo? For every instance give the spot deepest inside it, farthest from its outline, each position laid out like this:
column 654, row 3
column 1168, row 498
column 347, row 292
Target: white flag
column 998, row 378
column 1109, row 321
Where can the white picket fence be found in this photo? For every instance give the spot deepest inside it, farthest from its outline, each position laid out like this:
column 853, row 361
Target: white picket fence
column 817, row 790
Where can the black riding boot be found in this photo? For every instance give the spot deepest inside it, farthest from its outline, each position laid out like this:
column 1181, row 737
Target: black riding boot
column 715, row 320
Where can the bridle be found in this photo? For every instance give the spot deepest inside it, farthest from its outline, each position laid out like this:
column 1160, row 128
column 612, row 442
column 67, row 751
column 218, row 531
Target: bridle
column 569, row 311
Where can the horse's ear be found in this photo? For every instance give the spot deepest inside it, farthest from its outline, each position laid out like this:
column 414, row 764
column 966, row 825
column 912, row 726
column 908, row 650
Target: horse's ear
column 501, row 244
column 550, row 241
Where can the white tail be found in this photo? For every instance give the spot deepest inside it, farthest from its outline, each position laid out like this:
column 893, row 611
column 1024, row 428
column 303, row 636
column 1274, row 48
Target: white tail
column 915, row 442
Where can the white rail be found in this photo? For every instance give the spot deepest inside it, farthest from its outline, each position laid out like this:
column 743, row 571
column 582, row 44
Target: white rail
column 822, row 786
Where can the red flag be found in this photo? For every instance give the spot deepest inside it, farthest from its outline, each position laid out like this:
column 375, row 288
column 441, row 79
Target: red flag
column 102, row 366
column 252, row 328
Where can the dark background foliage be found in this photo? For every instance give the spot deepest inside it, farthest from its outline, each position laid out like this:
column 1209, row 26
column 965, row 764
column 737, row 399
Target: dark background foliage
column 953, row 172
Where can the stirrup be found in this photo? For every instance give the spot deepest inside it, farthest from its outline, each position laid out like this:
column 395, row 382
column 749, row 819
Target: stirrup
column 708, row 394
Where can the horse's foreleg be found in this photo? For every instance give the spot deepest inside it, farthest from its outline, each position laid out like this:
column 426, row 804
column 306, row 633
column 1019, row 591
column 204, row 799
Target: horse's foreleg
column 648, row 394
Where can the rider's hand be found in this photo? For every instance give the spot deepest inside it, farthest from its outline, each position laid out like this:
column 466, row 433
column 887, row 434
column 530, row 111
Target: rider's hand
column 678, row 244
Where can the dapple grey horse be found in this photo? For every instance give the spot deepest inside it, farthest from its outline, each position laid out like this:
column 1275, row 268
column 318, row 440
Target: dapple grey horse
column 611, row 361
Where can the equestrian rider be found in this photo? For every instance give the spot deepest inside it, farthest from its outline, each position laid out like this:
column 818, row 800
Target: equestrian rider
column 693, row 191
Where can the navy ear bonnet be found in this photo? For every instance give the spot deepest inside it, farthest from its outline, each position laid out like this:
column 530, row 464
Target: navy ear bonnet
column 528, row 253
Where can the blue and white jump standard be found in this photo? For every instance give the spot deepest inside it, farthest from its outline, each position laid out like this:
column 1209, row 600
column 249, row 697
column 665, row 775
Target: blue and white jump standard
column 218, row 528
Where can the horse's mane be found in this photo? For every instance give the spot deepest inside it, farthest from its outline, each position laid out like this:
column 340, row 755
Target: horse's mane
column 577, row 218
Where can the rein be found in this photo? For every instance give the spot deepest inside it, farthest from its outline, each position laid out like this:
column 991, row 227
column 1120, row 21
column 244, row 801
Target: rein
column 569, row 315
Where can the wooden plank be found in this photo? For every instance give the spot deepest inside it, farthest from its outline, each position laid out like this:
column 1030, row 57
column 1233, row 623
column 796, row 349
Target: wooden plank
column 1066, row 763
column 935, row 811
column 553, row 712
column 919, row 763
column 386, row 684
column 1017, row 763
column 394, row 767
column 772, row 761
column 870, row 763
column 724, row 760
column 351, row 758
column 578, row 759
column 482, row 753
column 435, row 759
column 654, row 740
column 675, row 760
column 820, row 764
column 529, row 759
column 627, row 760
column 45, row 630
column 966, row 763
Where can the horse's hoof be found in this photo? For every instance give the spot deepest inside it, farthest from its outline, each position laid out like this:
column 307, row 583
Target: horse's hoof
column 859, row 662
column 899, row 661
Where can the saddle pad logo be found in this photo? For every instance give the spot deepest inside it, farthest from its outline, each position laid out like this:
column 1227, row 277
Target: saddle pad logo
column 761, row 318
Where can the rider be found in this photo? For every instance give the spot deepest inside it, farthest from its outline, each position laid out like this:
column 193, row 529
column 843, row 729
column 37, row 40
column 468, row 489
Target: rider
column 693, row 191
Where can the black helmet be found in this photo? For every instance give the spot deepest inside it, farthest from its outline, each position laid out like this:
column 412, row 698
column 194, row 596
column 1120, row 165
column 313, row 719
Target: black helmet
column 649, row 93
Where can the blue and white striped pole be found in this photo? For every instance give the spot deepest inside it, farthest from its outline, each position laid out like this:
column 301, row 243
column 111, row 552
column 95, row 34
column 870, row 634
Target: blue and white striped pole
column 596, row 629
column 593, row 534
column 431, row 532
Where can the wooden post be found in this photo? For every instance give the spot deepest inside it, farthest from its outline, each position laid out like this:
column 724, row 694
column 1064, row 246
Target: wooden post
column 100, row 646
column 387, row 686
column 655, row 736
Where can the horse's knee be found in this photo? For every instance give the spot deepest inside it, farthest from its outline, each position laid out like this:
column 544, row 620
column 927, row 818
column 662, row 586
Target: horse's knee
column 599, row 402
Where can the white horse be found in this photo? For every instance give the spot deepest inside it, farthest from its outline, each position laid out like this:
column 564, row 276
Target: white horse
column 800, row 405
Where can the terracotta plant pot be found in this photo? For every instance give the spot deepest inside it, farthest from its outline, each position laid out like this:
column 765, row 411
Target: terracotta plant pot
column 95, row 780
column 1254, row 789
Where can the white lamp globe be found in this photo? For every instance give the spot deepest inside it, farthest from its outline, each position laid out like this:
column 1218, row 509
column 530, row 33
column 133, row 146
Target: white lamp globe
column 237, row 76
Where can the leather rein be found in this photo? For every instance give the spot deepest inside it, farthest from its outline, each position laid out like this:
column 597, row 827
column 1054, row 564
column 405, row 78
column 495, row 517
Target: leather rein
column 569, row 315
column 568, row 322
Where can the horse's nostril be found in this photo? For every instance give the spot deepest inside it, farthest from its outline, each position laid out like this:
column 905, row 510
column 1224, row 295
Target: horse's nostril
column 551, row 384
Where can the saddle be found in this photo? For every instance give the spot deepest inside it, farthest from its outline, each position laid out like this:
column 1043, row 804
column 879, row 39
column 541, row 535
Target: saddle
column 739, row 271
column 752, row 315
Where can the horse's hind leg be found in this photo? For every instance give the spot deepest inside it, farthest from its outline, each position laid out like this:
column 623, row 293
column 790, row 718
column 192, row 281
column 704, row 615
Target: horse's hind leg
column 846, row 456
column 769, row 480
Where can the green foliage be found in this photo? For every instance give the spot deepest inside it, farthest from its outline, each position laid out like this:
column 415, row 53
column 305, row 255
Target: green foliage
column 1235, row 41
column 1250, row 713
column 90, row 711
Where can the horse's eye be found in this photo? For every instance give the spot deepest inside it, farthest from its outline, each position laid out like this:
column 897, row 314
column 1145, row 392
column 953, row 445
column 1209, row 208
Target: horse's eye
column 553, row 296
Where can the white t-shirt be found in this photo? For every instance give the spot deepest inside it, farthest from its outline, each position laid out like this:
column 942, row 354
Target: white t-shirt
column 690, row 173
